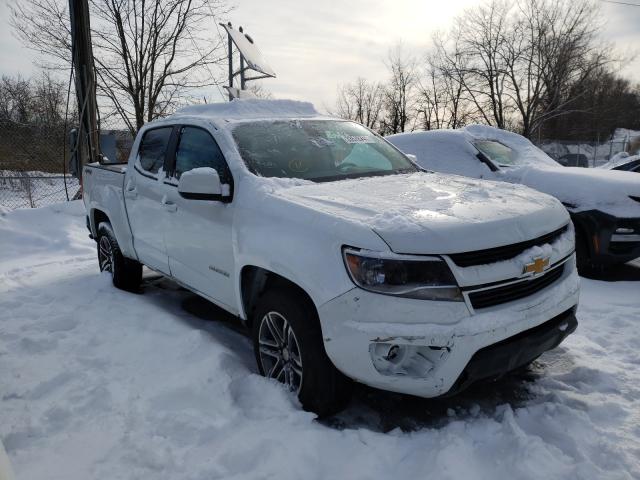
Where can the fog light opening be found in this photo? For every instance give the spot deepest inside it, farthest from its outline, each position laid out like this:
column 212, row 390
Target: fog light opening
column 416, row 361
column 392, row 354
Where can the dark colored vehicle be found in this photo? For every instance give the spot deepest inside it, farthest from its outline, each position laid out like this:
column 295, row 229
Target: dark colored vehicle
column 632, row 166
column 574, row 160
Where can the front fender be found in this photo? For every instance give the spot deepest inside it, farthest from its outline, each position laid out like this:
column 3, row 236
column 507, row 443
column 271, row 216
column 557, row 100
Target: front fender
column 298, row 244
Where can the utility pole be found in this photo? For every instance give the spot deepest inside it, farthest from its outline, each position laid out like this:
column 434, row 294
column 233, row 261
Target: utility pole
column 87, row 147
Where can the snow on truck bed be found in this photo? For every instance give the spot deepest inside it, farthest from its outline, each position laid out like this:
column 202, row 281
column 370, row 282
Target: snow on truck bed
column 97, row 383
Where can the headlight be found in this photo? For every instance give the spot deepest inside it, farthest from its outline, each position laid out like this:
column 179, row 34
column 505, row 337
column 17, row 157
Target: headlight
column 425, row 278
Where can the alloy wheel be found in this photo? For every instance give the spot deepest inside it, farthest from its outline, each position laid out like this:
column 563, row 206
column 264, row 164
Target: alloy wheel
column 279, row 351
column 105, row 255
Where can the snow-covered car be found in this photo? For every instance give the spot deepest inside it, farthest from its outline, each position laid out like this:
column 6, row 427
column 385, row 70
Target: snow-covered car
column 604, row 205
column 343, row 257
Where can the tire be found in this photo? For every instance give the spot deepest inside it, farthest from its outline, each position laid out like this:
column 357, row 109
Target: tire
column 286, row 329
column 126, row 273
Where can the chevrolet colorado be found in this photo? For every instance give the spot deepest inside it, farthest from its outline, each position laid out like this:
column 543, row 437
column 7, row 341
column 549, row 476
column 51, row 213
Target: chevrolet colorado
column 346, row 260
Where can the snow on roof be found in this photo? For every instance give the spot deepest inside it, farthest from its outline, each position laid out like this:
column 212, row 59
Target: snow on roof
column 251, row 108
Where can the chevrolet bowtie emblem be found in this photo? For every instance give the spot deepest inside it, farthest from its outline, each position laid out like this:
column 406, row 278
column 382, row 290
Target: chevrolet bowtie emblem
column 539, row 265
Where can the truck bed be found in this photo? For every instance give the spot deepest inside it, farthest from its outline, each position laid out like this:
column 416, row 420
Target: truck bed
column 103, row 196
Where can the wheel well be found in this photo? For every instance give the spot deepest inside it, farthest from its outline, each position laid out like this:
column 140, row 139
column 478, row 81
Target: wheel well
column 256, row 280
column 99, row 216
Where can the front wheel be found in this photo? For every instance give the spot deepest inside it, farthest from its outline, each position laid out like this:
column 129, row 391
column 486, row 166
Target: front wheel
column 288, row 346
column 126, row 273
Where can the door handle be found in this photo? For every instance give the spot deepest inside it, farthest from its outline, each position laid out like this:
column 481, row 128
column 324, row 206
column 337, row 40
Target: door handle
column 168, row 205
column 130, row 191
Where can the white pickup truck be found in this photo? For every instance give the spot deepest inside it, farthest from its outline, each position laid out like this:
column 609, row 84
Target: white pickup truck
column 345, row 259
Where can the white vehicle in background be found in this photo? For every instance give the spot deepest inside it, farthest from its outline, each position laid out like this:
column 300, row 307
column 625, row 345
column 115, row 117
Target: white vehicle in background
column 345, row 260
column 604, row 205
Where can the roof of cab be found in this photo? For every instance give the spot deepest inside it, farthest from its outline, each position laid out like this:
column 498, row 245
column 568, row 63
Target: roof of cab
column 243, row 109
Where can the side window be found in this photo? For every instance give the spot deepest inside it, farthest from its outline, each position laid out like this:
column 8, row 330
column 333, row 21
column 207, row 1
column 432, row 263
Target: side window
column 197, row 148
column 153, row 148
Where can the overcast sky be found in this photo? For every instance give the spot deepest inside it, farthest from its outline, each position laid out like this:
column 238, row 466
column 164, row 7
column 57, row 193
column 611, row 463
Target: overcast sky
column 315, row 45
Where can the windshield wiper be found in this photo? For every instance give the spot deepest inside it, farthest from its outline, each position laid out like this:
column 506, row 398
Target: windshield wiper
column 484, row 159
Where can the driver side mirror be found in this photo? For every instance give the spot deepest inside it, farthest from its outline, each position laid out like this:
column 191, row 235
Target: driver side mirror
column 202, row 184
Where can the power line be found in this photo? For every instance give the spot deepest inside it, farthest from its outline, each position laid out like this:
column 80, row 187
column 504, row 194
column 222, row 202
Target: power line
column 622, row 3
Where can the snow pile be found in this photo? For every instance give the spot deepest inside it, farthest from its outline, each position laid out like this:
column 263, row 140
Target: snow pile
column 98, row 383
column 251, row 109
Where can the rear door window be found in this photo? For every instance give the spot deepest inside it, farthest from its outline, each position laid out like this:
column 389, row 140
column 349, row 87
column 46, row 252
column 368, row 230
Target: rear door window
column 153, row 148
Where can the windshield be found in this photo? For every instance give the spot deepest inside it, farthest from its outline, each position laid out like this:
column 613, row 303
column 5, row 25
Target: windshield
column 317, row 150
column 496, row 152
column 523, row 153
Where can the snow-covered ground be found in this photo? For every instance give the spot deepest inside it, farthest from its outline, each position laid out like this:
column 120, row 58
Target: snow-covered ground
column 96, row 383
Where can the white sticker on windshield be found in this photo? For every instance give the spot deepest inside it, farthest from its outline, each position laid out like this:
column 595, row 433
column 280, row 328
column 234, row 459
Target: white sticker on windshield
column 357, row 138
column 350, row 138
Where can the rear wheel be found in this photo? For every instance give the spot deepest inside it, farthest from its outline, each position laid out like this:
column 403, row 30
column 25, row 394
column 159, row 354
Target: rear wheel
column 289, row 348
column 126, row 273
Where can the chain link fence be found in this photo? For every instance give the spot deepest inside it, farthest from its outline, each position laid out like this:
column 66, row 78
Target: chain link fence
column 32, row 164
column 578, row 153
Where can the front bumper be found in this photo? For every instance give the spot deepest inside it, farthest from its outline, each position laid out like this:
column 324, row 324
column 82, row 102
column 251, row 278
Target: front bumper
column 514, row 352
column 605, row 242
column 442, row 336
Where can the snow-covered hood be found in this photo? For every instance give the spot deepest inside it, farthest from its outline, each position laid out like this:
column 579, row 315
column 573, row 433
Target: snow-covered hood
column 580, row 189
column 426, row 213
column 585, row 188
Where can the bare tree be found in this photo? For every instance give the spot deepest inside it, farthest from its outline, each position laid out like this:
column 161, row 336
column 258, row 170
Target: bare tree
column 148, row 54
column 37, row 102
column 361, row 101
column 399, row 101
column 516, row 61
column 441, row 95
column 479, row 61
column 15, row 99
